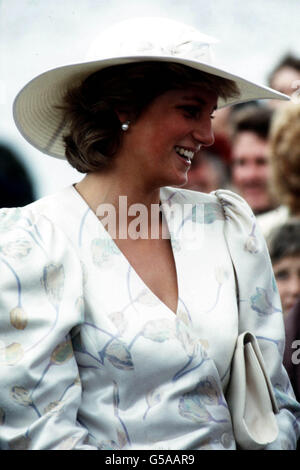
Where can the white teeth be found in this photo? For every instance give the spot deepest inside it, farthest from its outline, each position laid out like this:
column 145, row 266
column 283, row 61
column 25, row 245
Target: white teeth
column 186, row 153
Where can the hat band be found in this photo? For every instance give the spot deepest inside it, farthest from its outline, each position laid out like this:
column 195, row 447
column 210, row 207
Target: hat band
column 188, row 49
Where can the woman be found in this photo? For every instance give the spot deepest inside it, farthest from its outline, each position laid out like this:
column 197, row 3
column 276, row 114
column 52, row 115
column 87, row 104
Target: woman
column 285, row 165
column 119, row 333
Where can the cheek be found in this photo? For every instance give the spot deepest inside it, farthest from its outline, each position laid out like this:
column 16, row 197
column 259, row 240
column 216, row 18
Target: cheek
column 265, row 172
column 169, row 128
column 164, row 137
column 238, row 174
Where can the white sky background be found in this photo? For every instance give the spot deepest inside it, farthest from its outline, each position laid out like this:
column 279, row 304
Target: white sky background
column 36, row 35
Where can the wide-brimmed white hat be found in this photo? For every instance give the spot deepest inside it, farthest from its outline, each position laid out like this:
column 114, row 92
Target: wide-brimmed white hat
column 140, row 39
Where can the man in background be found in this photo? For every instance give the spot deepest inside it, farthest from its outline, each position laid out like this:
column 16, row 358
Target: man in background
column 250, row 159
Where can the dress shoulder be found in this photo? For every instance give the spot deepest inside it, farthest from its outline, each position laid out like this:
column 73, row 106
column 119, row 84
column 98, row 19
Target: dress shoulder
column 26, row 231
column 241, row 229
column 234, row 206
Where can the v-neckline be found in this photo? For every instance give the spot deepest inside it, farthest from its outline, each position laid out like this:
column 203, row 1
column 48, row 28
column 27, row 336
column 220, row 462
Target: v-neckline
column 124, row 257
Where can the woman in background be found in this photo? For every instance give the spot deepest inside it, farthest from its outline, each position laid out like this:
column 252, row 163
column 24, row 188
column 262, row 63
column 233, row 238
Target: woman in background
column 285, row 164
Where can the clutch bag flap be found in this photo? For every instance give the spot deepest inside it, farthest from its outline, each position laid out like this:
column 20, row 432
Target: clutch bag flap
column 250, row 396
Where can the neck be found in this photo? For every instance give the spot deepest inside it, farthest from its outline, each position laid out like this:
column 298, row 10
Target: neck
column 102, row 188
column 106, row 195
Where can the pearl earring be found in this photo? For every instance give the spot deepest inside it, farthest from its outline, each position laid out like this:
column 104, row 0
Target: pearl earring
column 125, row 126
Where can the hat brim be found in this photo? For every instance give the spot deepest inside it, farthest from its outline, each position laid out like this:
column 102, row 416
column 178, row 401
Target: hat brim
column 42, row 123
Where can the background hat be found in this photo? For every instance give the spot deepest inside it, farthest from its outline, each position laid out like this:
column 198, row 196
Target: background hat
column 140, row 39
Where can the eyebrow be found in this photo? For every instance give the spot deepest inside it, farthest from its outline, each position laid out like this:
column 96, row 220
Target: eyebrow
column 198, row 100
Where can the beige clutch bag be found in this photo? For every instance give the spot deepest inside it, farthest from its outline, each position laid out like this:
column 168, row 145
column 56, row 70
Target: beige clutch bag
column 250, row 396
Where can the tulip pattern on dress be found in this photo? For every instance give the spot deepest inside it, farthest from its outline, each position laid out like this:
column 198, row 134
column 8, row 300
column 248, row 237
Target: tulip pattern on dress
column 90, row 358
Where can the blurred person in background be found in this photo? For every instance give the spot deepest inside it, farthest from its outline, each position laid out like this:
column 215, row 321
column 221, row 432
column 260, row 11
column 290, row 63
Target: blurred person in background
column 250, row 162
column 285, row 166
column 284, row 248
column 16, row 188
column 285, row 77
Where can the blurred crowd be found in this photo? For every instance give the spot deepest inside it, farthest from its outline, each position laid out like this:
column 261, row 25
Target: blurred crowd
column 256, row 154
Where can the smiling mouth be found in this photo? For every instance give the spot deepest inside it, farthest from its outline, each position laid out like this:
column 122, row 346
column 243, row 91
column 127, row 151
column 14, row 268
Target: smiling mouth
column 187, row 155
column 255, row 188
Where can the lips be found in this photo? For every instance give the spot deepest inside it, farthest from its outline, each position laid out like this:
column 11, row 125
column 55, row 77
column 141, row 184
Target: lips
column 254, row 188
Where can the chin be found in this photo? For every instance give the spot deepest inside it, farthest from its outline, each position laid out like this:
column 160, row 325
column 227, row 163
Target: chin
column 180, row 181
column 179, row 185
column 175, row 180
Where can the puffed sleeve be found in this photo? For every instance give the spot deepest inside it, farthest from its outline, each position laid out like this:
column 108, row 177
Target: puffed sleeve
column 260, row 307
column 40, row 305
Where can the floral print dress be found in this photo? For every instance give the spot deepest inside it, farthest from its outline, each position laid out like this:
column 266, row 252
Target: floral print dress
column 90, row 358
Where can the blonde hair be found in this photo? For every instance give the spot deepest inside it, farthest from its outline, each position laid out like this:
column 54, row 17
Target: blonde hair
column 285, row 155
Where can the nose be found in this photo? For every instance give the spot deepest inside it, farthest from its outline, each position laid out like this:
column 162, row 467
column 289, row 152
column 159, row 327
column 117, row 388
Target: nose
column 203, row 132
column 249, row 172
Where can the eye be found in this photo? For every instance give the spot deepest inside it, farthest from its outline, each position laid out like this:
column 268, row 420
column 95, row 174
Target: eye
column 239, row 162
column 191, row 111
column 262, row 161
column 281, row 275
